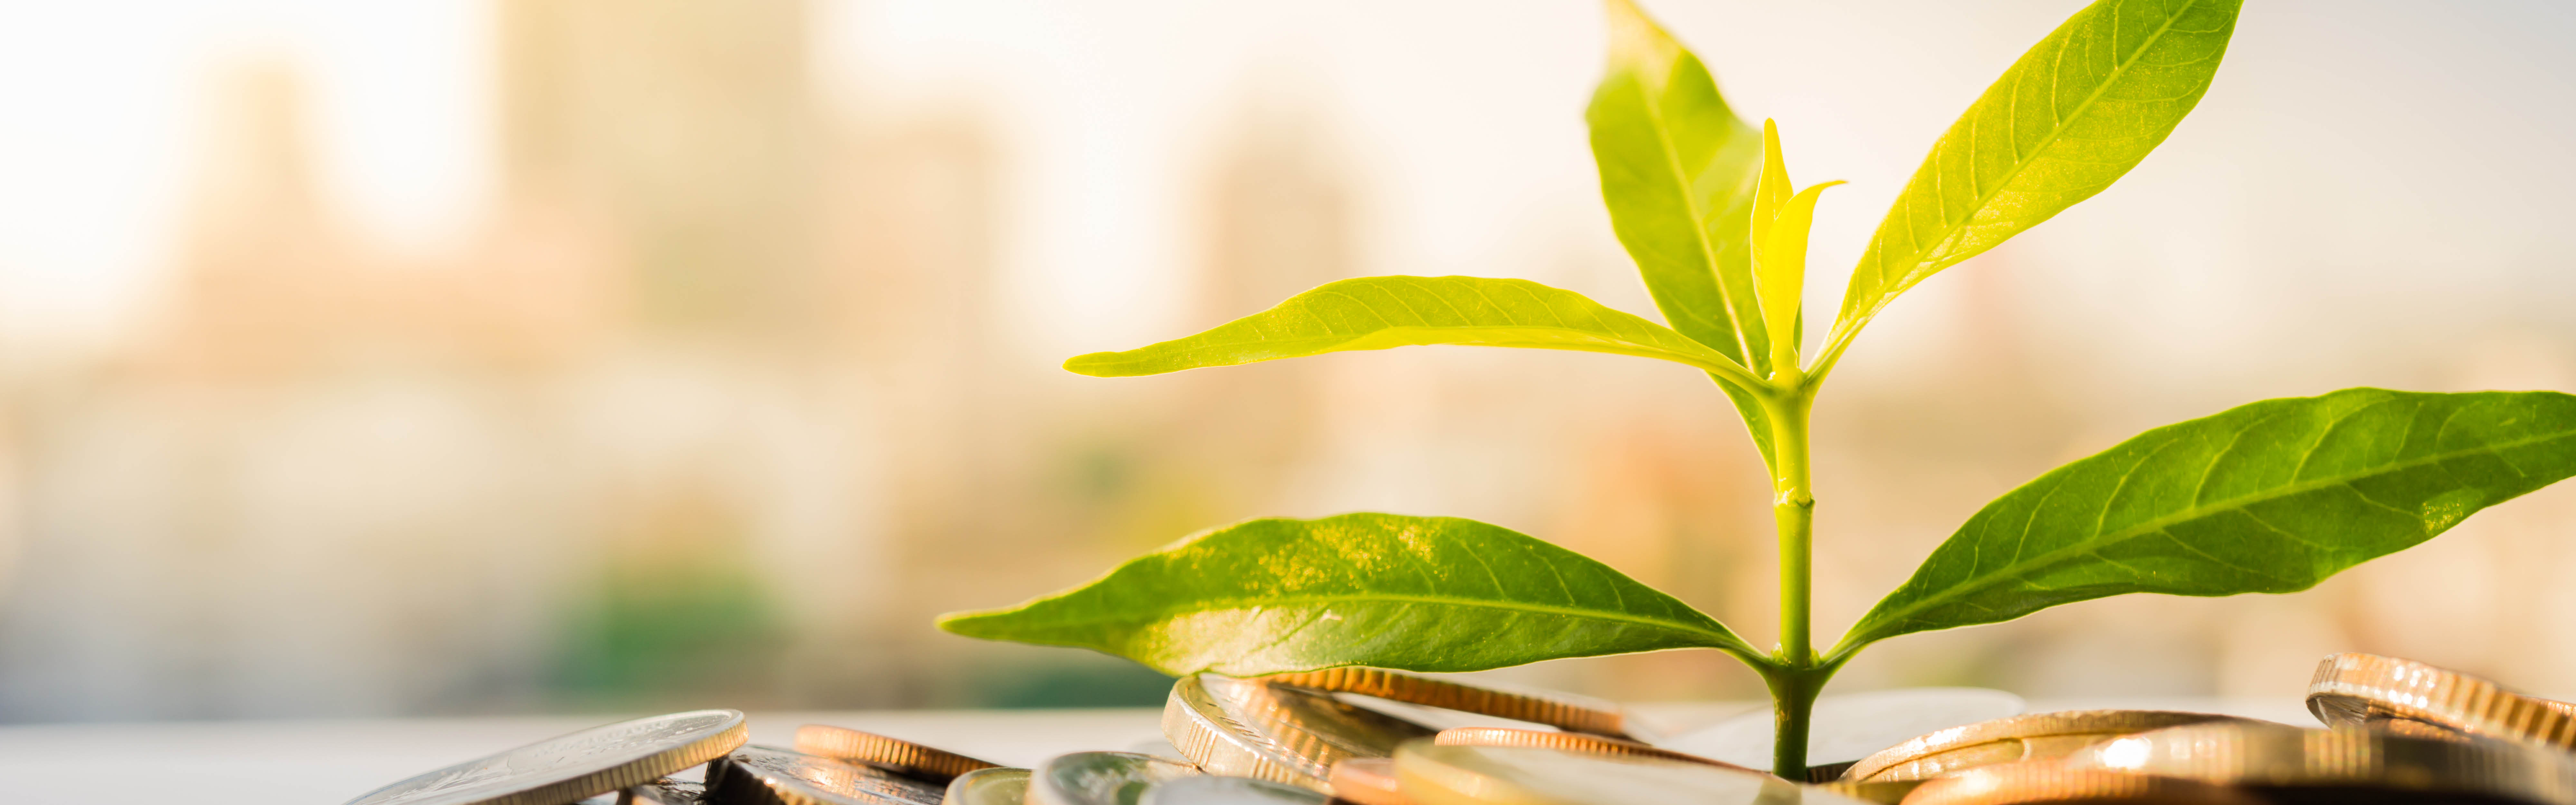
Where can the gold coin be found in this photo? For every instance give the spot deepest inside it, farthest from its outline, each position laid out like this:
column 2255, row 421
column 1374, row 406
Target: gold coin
column 1567, row 741
column 2015, row 738
column 1881, row 793
column 2039, row 782
column 1368, row 781
column 1560, row 710
column 1845, row 728
column 891, row 754
column 1270, row 731
column 995, row 786
column 760, row 775
column 2267, row 756
column 1496, row 775
column 2357, row 689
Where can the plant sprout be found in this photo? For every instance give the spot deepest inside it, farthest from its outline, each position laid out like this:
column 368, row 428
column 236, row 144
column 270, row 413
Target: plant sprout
column 2270, row 497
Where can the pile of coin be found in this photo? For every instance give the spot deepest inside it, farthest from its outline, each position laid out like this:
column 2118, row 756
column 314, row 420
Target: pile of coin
column 2396, row 732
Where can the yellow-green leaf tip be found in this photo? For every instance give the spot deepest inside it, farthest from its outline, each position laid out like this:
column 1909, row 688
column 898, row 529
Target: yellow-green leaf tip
column 1094, row 364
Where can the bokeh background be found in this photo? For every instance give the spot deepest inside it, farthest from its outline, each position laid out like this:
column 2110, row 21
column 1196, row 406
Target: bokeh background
column 474, row 356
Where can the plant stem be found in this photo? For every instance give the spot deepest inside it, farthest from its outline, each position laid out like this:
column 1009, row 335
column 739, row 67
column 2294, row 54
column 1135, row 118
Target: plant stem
column 1795, row 683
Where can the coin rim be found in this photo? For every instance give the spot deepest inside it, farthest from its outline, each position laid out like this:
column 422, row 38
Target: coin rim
column 2059, row 782
column 2404, row 688
column 786, row 790
column 1038, row 791
column 641, row 770
column 889, row 753
column 2219, row 753
column 1204, row 732
column 1560, row 710
column 2015, row 727
column 1516, row 738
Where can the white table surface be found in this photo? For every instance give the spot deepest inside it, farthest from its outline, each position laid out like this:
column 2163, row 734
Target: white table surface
column 328, row 762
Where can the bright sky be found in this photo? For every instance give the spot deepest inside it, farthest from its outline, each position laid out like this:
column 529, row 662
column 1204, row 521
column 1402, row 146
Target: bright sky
column 2355, row 152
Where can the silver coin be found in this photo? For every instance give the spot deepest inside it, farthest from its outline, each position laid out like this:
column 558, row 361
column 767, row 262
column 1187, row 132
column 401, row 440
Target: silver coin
column 989, row 787
column 1101, row 778
column 568, row 768
column 761, row 774
column 1214, row 790
column 1849, row 727
column 664, row 792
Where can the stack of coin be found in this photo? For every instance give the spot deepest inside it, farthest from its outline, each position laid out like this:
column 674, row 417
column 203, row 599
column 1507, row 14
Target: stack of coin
column 890, row 754
column 2404, row 732
column 760, row 775
column 1844, row 729
column 1562, row 711
column 1432, row 774
column 572, row 767
column 1100, row 778
column 1270, row 731
column 2006, row 740
column 2426, row 701
column 2284, row 763
column 1566, row 742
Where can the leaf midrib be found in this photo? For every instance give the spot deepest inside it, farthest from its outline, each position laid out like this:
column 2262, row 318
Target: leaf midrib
column 2015, row 569
column 1698, row 219
column 1717, row 638
column 2056, row 130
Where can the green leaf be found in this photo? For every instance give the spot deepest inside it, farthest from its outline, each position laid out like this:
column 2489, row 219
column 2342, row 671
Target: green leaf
column 2074, row 114
column 2271, row 497
column 1386, row 312
column 1389, row 591
column 1678, row 173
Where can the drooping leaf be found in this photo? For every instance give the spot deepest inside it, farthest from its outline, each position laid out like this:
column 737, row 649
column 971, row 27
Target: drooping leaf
column 1390, row 591
column 1678, row 173
column 2271, row 497
column 1386, row 312
column 2077, row 111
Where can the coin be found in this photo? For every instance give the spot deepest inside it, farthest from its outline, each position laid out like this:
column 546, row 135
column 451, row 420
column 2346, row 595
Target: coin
column 761, row 775
column 1561, row 710
column 1100, row 778
column 1889, row 793
column 1209, row 789
column 1567, row 741
column 891, row 754
column 2357, row 689
column 1494, row 775
column 2047, row 781
column 2005, row 740
column 988, row 787
column 665, row 791
column 2318, row 764
column 1368, row 781
column 570, row 767
column 1843, row 729
column 1269, row 731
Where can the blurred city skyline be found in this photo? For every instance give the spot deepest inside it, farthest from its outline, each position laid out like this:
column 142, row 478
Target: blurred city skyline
column 498, row 355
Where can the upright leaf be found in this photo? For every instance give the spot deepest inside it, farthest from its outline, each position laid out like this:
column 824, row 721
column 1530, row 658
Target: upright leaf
column 2271, row 497
column 2074, row 114
column 1781, row 220
column 1411, row 593
column 1386, row 312
column 1678, row 173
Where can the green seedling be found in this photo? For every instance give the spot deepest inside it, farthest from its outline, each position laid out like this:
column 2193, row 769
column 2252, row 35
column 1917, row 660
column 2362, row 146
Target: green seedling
column 2271, row 497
